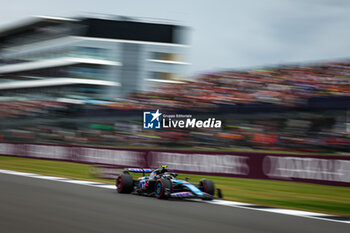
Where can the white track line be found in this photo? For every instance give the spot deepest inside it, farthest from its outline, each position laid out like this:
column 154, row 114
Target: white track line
column 242, row 205
column 60, row 179
column 299, row 213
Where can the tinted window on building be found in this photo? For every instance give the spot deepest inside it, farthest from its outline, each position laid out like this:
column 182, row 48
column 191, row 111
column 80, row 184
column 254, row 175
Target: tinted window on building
column 131, row 30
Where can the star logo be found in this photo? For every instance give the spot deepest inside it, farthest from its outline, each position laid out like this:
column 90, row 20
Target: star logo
column 156, row 115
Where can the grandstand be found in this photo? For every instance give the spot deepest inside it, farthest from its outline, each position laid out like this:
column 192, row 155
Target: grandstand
column 285, row 108
column 326, row 85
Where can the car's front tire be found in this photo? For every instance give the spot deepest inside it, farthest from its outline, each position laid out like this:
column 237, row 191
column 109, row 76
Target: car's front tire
column 207, row 186
column 163, row 188
column 125, row 183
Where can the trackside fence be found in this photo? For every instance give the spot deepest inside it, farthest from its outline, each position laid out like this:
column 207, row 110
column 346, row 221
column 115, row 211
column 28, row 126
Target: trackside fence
column 328, row 170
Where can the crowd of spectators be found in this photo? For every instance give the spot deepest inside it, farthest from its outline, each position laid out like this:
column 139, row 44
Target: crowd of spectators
column 315, row 134
column 286, row 86
column 290, row 85
column 30, row 108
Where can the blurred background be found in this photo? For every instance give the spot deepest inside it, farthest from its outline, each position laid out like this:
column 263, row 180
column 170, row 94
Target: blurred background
column 276, row 73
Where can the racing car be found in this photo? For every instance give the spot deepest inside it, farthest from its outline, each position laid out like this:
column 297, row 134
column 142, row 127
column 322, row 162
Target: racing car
column 163, row 184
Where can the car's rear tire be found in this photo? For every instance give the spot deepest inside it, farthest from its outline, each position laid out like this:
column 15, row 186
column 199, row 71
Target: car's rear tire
column 207, row 186
column 124, row 183
column 163, row 188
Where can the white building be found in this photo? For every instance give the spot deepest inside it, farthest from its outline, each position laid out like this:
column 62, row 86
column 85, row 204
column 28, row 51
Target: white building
column 90, row 58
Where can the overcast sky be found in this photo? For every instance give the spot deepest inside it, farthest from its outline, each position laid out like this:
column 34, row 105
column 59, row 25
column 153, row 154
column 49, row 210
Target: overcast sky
column 225, row 34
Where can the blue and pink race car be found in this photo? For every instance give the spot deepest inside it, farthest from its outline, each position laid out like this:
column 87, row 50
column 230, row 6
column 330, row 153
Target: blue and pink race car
column 163, row 184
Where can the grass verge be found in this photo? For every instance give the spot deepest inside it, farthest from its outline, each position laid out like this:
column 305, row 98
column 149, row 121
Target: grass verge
column 292, row 195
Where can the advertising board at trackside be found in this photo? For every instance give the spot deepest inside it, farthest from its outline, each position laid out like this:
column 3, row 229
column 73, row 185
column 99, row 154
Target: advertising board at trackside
column 330, row 170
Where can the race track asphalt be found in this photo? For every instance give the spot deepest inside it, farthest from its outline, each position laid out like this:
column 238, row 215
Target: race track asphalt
column 29, row 205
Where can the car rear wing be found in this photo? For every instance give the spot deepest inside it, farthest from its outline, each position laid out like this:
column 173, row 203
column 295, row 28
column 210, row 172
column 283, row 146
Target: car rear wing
column 139, row 170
